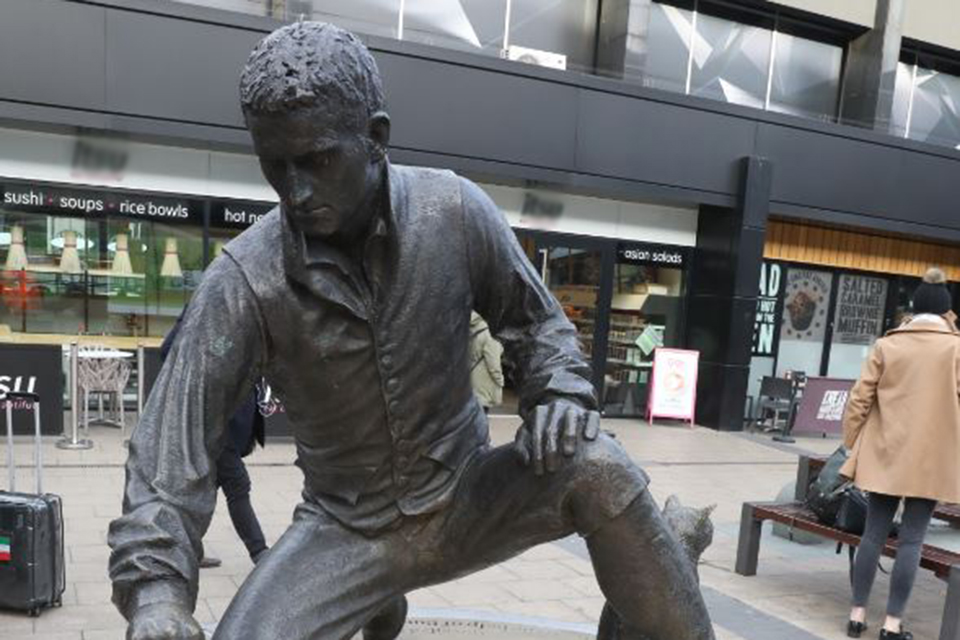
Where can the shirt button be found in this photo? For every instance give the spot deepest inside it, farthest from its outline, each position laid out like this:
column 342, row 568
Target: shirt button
column 392, row 385
column 386, row 361
column 403, row 481
column 393, row 406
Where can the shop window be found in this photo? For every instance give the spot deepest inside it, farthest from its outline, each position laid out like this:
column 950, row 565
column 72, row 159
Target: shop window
column 229, row 219
column 803, row 327
column 97, row 274
column 858, row 322
column 646, row 313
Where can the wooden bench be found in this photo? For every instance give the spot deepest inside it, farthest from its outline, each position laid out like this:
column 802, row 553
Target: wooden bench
column 943, row 563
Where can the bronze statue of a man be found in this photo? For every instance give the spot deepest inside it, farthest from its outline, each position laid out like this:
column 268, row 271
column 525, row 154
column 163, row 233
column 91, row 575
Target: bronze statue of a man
column 353, row 299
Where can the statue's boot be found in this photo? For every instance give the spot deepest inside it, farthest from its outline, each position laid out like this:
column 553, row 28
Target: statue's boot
column 388, row 623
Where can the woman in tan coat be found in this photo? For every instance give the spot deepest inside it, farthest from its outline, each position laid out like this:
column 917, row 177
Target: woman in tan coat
column 902, row 425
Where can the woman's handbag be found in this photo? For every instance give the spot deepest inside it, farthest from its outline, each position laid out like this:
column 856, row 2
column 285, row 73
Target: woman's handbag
column 834, row 499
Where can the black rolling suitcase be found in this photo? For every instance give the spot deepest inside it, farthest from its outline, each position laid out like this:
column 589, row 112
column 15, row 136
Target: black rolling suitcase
column 32, row 575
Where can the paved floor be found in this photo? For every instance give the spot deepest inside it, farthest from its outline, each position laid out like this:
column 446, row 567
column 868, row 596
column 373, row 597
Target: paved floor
column 801, row 592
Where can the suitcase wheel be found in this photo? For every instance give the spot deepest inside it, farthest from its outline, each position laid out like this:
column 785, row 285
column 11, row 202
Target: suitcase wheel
column 58, row 603
column 34, row 613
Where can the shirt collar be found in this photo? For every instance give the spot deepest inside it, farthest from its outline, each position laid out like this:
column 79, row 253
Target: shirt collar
column 300, row 255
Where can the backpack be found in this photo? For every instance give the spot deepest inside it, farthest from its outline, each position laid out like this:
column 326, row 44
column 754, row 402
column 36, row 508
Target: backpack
column 835, row 500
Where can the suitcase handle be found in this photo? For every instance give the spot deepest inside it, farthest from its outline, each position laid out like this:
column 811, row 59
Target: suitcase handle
column 37, row 454
column 24, row 395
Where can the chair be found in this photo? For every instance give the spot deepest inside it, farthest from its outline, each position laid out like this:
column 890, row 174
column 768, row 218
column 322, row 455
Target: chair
column 103, row 376
column 777, row 396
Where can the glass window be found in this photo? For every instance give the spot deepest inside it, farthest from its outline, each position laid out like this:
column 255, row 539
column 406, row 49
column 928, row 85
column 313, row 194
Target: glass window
column 377, row 17
column 901, row 99
column 228, row 219
column 566, row 27
column 804, row 324
column 43, row 284
column 123, row 275
column 858, row 322
column 730, row 61
column 664, row 52
column 806, row 77
column 645, row 314
column 934, row 116
column 474, row 25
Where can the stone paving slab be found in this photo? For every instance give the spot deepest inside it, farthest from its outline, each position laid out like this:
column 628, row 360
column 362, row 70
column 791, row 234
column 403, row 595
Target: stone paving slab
column 800, row 593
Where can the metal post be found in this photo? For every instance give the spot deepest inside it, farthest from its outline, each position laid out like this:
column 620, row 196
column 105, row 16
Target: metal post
column 37, row 447
column 140, row 375
column 748, row 545
column 950, row 624
column 10, row 461
column 74, row 442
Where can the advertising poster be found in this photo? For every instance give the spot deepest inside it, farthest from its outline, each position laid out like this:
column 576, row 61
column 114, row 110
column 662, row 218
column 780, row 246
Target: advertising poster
column 822, row 406
column 673, row 391
column 861, row 302
column 806, row 300
column 768, row 310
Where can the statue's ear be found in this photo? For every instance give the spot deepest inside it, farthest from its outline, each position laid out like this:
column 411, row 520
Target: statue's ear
column 379, row 129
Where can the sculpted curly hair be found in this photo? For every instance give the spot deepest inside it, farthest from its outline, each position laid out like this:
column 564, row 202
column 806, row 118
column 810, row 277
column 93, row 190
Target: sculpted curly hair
column 306, row 64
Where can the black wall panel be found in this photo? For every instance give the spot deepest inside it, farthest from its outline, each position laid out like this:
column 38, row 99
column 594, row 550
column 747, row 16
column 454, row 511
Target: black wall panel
column 52, row 52
column 439, row 107
column 659, row 142
column 174, row 69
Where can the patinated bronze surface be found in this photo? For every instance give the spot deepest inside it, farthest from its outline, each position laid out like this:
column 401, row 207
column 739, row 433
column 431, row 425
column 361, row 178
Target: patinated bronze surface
column 353, row 299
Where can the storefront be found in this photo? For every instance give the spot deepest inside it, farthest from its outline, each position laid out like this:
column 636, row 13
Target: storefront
column 620, row 272
column 116, row 262
column 827, row 294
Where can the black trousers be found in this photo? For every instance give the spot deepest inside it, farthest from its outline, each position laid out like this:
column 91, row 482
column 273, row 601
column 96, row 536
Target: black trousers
column 233, row 479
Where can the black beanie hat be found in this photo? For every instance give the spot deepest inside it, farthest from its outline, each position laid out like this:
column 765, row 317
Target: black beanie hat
column 932, row 295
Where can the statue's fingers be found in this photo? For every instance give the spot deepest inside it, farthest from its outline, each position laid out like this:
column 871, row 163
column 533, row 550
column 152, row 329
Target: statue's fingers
column 522, row 444
column 551, row 441
column 571, row 422
column 592, row 428
column 540, row 417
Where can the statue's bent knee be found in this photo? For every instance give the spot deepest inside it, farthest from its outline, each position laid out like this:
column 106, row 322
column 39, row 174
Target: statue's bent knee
column 604, row 481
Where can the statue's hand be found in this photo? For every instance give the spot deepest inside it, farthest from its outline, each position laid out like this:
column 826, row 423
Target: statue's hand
column 555, row 427
column 165, row 621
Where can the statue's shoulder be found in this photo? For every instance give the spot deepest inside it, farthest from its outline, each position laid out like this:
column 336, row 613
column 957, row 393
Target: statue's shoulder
column 260, row 246
column 425, row 188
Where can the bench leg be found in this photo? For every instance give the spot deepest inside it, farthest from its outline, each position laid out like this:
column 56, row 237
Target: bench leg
column 950, row 625
column 803, row 479
column 748, row 546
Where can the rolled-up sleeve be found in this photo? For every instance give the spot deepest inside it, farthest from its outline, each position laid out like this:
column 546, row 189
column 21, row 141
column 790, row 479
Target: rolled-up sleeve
column 521, row 312
column 170, row 491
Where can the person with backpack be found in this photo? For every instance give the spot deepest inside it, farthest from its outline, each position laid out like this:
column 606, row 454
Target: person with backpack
column 902, row 426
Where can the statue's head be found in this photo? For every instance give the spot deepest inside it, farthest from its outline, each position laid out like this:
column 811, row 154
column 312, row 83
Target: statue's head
column 312, row 99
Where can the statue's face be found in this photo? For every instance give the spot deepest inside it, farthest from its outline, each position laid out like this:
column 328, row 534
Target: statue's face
column 321, row 169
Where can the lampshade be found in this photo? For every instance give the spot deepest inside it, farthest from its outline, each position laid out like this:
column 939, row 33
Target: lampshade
column 171, row 260
column 70, row 258
column 17, row 256
column 121, row 260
